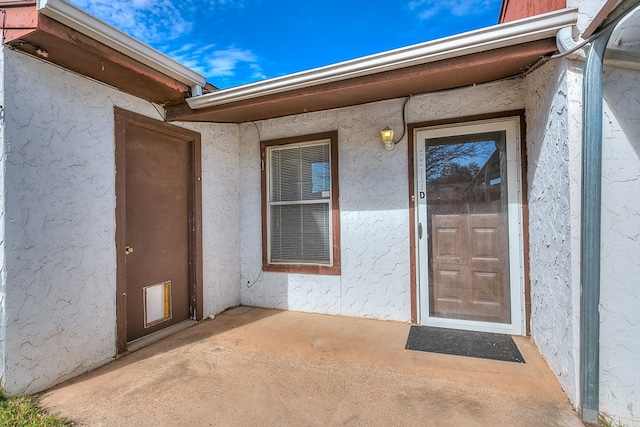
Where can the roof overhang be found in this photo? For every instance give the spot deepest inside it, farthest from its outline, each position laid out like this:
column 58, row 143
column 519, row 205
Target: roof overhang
column 475, row 57
column 600, row 17
column 60, row 33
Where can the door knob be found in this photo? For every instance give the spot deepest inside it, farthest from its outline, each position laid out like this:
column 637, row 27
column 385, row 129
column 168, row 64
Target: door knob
column 128, row 250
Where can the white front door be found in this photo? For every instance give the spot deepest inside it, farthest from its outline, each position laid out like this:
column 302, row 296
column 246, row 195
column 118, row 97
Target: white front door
column 469, row 214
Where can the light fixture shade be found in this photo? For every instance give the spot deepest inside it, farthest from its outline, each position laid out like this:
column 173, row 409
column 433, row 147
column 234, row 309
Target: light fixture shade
column 387, row 138
column 387, row 134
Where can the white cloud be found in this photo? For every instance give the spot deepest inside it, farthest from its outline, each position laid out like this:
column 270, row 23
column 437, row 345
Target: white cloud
column 257, row 72
column 426, row 9
column 221, row 65
column 190, row 55
column 224, row 62
column 165, row 24
column 150, row 21
column 154, row 21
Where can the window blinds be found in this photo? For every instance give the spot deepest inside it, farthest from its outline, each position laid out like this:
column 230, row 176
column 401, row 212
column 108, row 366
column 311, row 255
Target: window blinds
column 300, row 204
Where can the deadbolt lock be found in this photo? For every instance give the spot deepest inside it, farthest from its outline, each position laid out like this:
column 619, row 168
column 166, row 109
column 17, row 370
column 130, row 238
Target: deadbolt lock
column 128, row 250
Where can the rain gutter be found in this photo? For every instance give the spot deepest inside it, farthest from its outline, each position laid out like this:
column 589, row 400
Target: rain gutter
column 88, row 25
column 507, row 34
column 577, row 50
column 590, row 259
column 568, row 47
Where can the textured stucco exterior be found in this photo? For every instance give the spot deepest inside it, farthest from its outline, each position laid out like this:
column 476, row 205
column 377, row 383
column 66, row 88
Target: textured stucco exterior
column 57, row 217
column 3, row 270
column 220, row 215
column 620, row 268
column 554, row 149
column 374, row 220
column 373, row 188
column 553, row 175
column 555, row 245
column 59, row 221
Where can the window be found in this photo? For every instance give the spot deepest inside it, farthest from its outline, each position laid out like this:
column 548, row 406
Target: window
column 300, row 213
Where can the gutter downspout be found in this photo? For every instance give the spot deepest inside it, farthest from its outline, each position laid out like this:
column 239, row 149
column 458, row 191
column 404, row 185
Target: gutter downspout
column 571, row 49
column 591, row 230
column 591, row 215
column 568, row 47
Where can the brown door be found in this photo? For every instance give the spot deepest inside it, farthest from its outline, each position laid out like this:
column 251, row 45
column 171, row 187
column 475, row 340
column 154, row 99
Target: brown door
column 469, row 268
column 468, row 231
column 156, row 224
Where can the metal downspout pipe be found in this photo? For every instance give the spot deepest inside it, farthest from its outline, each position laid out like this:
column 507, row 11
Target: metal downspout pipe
column 591, row 213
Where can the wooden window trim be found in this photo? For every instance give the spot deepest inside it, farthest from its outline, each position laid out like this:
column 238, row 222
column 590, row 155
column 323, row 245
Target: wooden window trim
column 334, row 269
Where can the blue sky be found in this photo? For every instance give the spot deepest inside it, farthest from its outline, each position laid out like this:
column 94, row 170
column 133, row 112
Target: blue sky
column 233, row 42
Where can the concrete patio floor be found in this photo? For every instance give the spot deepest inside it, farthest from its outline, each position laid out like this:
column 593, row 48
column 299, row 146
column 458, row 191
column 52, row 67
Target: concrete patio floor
column 251, row 366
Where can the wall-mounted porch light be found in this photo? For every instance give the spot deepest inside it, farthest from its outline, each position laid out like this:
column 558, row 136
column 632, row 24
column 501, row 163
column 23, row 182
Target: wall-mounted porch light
column 387, row 138
column 387, row 132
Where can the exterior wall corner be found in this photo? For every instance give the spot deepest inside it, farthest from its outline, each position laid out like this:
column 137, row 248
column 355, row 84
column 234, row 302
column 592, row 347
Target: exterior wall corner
column 554, row 168
column 59, row 276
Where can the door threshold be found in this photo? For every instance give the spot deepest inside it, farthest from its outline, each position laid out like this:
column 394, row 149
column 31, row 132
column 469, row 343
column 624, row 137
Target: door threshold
column 475, row 325
column 160, row 335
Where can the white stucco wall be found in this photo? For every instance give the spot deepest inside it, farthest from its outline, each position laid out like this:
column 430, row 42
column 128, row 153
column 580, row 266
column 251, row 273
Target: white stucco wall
column 60, row 221
column 587, row 10
column 620, row 246
column 60, row 292
column 3, row 270
column 554, row 135
column 620, row 268
column 374, row 221
column 553, row 175
column 220, row 215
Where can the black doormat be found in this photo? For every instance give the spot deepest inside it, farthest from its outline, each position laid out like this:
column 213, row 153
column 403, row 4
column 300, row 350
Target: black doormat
column 463, row 343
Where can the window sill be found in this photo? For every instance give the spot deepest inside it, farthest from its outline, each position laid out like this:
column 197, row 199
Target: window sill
column 302, row 269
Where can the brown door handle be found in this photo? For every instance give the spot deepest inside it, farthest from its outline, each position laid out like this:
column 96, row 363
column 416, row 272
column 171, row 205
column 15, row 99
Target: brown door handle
column 128, row 250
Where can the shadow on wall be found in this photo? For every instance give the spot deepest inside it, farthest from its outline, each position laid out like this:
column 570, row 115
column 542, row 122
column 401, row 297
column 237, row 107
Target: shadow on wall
column 622, row 100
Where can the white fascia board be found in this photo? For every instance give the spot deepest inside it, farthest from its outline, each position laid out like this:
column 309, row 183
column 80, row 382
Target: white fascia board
column 502, row 35
column 79, row 20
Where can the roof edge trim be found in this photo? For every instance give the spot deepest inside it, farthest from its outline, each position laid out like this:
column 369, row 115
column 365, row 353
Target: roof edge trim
column 91, row 26
column 502, row 35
